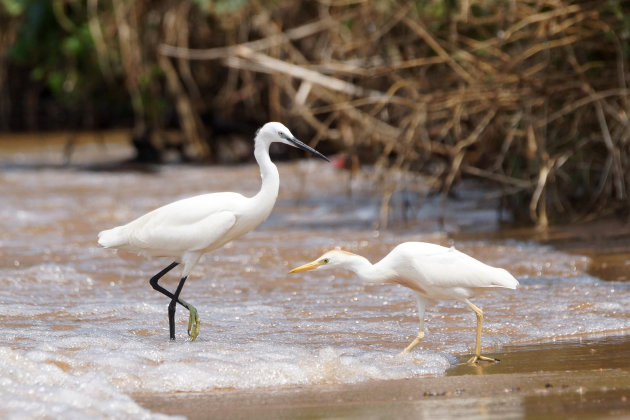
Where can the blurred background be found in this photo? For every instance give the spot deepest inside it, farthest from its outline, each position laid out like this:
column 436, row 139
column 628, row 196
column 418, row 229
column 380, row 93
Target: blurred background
column 530, row 96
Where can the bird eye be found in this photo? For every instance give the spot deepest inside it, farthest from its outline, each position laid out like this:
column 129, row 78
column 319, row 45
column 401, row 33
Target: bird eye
column 281, row 134
column 325, row 261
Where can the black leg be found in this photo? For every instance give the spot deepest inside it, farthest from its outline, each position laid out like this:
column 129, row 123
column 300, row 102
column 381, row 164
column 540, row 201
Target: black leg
column 171, row 319
column 156, row 286
column 174, row 298
column 154, row 280
column 172, row 305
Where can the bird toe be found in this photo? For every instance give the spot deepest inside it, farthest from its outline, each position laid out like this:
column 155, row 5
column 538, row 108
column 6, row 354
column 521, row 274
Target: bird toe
column 193, row 324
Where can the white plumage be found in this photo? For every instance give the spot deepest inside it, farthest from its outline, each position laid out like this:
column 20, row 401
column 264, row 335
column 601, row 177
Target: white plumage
column 432, row 271
column 186, row 229
column 190, row 226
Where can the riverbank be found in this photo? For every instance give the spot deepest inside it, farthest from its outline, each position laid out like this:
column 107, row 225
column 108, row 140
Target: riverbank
column 584, row 379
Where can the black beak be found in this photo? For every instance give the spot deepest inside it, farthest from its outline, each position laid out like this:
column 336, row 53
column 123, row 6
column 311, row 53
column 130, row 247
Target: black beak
column 303, row 146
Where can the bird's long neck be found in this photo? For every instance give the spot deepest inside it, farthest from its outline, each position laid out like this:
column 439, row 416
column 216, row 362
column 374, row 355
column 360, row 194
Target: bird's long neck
column 268, row 193
column 368, row 272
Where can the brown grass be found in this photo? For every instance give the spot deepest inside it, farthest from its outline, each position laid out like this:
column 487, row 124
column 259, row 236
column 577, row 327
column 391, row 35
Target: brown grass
column 529, row 95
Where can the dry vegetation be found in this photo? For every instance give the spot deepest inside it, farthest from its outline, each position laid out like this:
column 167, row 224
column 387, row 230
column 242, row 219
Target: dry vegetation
column 531, row 95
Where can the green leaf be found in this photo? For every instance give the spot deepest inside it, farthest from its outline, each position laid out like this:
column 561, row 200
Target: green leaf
column 55, row 81
column 37, row 73
column 13, row 7
column 71, row 46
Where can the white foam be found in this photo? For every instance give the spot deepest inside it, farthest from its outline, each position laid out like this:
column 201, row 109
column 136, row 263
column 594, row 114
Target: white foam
column 33, row 386
column 79, row 321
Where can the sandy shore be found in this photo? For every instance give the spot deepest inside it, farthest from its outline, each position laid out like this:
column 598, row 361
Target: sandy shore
column 589, row 378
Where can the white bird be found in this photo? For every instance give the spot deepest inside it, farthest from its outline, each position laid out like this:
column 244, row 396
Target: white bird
column 432, row 271
column 188, row 228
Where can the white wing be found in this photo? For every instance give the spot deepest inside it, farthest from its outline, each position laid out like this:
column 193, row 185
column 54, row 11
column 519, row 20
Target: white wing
column 168, row 239
column 435, row 266
column 191, row 224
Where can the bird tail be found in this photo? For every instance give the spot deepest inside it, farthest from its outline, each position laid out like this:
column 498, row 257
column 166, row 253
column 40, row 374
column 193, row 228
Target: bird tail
column 112, row 238
column 506, row 280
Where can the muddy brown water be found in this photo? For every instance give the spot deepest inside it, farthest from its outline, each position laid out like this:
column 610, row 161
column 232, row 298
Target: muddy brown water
column 75, row 314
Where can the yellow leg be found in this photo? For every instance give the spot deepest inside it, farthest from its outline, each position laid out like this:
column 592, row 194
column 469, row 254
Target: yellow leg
column 422, row 304
column 478, row 355
column 414, row 343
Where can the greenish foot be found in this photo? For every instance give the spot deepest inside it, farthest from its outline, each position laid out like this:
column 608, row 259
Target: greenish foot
column 193, row 323
column 193, row 320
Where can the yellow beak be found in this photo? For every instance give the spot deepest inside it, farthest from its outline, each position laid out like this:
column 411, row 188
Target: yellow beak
column 310, row 266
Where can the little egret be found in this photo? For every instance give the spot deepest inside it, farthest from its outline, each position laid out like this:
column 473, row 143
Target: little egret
column 188, row 228
column 432, row 271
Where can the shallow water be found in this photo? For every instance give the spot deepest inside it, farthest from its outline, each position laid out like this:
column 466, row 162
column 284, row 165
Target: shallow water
column 83, row 330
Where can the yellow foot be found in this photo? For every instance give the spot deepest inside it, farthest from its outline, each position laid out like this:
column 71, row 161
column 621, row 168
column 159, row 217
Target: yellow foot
column 476, row 358
column 413, row 344
column 193, row 323
column 402, row 353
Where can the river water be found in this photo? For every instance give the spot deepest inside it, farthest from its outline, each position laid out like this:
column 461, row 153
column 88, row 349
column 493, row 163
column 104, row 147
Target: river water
column 83, row 331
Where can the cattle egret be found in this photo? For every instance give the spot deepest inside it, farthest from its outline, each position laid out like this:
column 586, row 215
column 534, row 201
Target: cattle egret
column 188, row 228
column 432, row 271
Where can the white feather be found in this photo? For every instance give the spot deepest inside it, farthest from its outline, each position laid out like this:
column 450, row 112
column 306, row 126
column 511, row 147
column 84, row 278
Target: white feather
column 432, row 271
column 185, row 229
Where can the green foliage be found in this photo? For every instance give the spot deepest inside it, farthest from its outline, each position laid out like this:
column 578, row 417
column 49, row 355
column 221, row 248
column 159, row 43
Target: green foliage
column 221, row 7
column 13, row 7
column 62, row 60
column 434, row 9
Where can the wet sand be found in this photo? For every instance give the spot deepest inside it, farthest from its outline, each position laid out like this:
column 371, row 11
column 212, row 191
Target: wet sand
column 582, row 379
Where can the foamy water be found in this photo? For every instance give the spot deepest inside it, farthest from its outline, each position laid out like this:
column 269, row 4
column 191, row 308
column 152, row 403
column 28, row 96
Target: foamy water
column 82, row 330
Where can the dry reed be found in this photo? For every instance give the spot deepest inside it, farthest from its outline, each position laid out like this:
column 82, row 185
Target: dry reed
column 529, row 95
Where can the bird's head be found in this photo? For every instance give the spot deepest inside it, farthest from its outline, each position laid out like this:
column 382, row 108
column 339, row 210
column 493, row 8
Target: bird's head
column 277, row 132
column 335, row 258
